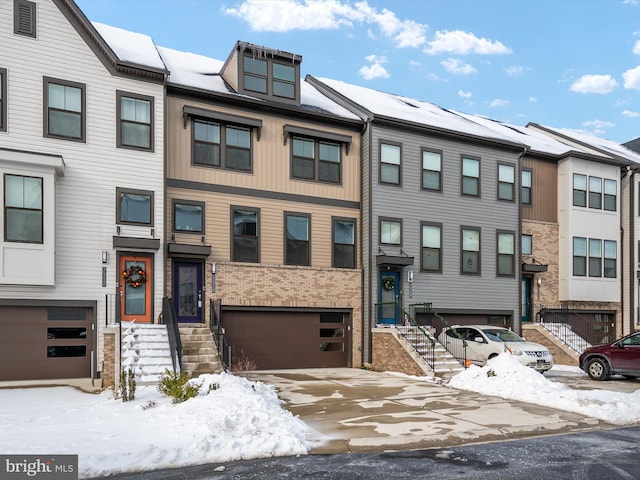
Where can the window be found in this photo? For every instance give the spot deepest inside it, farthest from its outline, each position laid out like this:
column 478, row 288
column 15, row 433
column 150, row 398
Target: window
column 527, row 244
column 390, row 163
column 431, row 254
column 246, row 240
column 525, row 191
column 610, row 255
column 134, row 207
column 470, row 253
column 188, row 216
column 135, row 120
column 579, row 190
column 390, row 232
column 23, row 209
column 64, row 109
column 506, row 182
column 24, row 18
column 431, row 170
column 506, row 254
column 269, row 77
column 315, row 160
column 297, row 239
column 595, row 257
column 610, row 195
column 470, row 176
column 3, row 100
column 344, row 243
column 216, row 144
column 595, row 192
column 579, row 257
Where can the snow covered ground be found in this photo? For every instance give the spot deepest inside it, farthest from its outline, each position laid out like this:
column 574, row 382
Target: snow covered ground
column 238, row 420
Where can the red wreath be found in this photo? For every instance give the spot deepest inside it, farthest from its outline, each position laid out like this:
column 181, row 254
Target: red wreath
column 137, row 272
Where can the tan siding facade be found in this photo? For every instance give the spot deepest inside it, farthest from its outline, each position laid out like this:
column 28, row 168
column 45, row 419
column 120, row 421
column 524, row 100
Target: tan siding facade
column 544, row 198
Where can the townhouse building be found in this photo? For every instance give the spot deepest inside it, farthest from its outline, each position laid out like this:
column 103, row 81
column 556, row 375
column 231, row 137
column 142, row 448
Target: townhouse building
column 263, row 208
column 81, row 183
column 440, row 209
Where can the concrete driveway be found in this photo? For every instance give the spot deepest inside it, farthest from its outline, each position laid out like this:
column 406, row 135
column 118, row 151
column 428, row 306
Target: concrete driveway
column 355, row 410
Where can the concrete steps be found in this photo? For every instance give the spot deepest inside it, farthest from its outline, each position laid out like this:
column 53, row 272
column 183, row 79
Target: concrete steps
column 199, row 351
column 145, row 350
column 444, row 364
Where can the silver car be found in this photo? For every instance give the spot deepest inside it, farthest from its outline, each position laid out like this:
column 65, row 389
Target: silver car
column 486, row 341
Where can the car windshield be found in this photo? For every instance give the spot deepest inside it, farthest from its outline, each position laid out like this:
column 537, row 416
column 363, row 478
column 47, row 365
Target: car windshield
column 501, row 335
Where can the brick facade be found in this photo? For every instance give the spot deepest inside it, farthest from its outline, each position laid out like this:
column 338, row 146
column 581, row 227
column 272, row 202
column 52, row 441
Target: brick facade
column 390, row 356
column 109, row 367
column 292, row 286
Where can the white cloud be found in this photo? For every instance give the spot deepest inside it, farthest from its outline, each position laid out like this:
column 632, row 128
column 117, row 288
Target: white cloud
column 515, row 70
column 630, row 114
column 453, row 65
column 375, row 70
column 287, row 15
column 636, row 47
column 594, row 84
column 463, row 94
column 464, row 43
column 630, row 2
column 499, row 102
column 533, row 99
column 632, row 78
column 599, row 124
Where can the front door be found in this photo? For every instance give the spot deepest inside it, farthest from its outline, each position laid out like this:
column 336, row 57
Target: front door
column 526, row 299
column 389, row 295
column 136, row 293
column 187, row 291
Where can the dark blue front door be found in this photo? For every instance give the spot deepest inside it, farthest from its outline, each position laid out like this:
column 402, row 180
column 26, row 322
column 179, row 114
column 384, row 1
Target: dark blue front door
column 526, row 299
column 389, row 294
column 187, row 291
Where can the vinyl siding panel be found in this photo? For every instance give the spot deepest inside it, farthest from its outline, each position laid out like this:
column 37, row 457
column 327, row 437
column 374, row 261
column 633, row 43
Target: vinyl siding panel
column 86, row 195
column 271, row 157
column 449, row 289
column 544, row 191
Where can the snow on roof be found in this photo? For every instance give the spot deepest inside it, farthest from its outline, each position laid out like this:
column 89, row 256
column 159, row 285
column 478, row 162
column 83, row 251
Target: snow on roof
column 603, row 144
column 130, row 46
column 198, row 71
column 412, row 110
column 537, row 142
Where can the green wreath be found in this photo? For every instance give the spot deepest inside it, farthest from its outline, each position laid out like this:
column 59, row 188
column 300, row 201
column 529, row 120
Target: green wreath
column 388, row 284
column 137, row 272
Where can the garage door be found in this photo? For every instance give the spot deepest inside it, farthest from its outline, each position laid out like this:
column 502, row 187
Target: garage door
column 280, row 340
column 43, row 343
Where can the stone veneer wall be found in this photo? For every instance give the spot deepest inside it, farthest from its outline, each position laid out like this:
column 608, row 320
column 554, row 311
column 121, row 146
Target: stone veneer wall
column 109, row 368
column 259, row 285
column 390, row 356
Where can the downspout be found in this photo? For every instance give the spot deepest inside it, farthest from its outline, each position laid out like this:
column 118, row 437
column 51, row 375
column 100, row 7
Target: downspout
column 519, row 240
column 366, row 272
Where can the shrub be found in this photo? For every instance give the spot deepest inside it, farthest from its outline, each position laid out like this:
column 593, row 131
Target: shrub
column 176, row 385
column 127, row 385
column 242, row 363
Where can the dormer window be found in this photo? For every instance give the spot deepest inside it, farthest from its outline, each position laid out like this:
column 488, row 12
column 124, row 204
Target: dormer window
column 269, row 77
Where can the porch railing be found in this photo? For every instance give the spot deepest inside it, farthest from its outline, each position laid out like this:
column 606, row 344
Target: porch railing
column 420, row 326
column 175, row 344
column 217, row 330
column 577, row 328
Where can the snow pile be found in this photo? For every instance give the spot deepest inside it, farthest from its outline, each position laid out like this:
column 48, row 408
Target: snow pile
column 238, row 420
column 505, row 377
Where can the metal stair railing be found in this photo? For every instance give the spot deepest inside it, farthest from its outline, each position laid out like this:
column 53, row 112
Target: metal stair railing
column 224, row 350
column 173, row 332
column 435, row 323
column 575, row 328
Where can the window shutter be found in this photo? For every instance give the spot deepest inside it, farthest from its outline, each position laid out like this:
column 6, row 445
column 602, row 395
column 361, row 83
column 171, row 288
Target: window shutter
column 25, row 18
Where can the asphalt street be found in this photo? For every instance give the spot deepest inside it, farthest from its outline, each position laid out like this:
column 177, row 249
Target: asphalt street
column 597, row 455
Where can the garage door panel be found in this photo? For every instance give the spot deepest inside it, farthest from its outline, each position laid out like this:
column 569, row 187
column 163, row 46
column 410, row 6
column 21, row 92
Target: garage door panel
column 280, row 340
column 41, row 343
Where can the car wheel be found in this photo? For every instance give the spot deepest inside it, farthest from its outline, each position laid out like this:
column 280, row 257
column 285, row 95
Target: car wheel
column 598, row 369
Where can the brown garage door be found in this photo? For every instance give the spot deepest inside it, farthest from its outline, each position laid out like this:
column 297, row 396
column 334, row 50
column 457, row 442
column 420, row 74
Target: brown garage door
column 279, row 340
column 43, row 343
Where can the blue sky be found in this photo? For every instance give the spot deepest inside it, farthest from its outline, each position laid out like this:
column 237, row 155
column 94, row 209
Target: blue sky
column 561, row 63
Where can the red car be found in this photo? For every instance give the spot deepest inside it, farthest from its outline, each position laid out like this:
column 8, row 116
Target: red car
column 621, row 357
